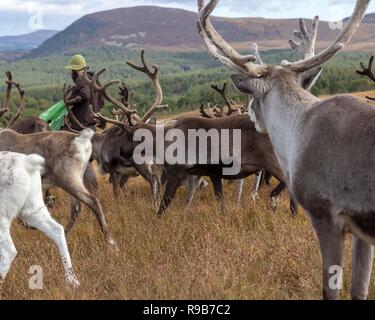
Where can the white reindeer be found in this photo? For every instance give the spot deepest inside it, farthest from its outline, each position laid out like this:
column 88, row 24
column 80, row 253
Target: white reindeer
column 21, row 197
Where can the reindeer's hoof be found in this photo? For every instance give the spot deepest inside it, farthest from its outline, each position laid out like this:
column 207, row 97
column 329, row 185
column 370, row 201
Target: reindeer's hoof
column 50, row 202
column 274, row 204
column 255, row 196
column 72, row 281
column 112, row 243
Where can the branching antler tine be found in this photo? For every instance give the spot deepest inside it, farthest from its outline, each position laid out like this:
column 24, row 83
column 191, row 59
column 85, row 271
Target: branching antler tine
column 110, row 84
column 144, row 68
column 96, row 76
column 254, row 50
column 69, row 127
column 367, row 71
column 306, row 44
column 155, row 81
column 344, row 37
column 108, row 120
column 9, row 83
column 223, row 93
column 129, row 113
column 21, row 108
column 205, row 114
column 73, row 118
column 302, row 25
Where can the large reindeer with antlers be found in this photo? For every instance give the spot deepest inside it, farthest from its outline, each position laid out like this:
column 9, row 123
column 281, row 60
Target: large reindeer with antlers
column 324, row 147
column 66, row 155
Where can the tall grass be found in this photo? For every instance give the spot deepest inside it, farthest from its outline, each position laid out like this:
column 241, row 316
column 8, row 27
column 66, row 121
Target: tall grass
column 249, row 252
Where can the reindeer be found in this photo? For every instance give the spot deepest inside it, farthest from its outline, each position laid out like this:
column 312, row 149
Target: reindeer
column 28, row 125
column 233, row 108
column 21, row 197
column 324, row 147
column 66, row 159
column 367, row 72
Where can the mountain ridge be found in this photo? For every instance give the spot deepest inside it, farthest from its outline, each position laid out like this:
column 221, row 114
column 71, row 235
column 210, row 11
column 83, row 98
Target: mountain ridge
column 25, row 42
column 175, row 30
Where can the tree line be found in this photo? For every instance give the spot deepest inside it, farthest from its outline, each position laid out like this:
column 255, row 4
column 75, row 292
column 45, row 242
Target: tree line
column 185, row 77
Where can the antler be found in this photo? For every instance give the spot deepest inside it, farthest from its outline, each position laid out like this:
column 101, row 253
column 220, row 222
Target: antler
column 103, row 89
column 205, row 114
column 367, row 72
column 306, row 42
column 223, row 92
column 345, row 36
column 153, row 75
column 250, row 64
column 220, row 49
column 9, row 83
column 108, row 120
column 22, row 106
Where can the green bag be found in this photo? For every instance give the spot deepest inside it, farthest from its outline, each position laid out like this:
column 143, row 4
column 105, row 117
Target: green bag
column 55, row 116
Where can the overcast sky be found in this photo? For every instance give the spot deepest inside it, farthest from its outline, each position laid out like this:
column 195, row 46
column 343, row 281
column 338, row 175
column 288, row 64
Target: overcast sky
column 23, row 16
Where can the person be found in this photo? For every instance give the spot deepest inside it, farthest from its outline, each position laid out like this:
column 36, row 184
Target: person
column 82, row 96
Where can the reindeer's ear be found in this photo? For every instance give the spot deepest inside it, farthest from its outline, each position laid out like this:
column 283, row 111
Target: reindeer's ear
column 256, row 87
column 309, row 78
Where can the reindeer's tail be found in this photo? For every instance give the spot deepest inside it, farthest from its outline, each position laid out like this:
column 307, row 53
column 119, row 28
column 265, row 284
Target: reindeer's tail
column 34, row 163
column 86, row 134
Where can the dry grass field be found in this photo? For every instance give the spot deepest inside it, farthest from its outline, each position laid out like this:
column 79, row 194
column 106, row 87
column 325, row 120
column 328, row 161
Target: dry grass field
column 249, row 252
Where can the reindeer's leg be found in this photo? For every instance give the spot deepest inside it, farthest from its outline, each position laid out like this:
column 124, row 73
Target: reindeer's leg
column 8, row 251
column 124, row 182
column 76, row 188
column 240, row 185
column 193, row 183
column 115, row 180
column 203, row 183
column 218, row 190
column 43, row 221
column 331, row 239
column 363, row 256
column 90, row 179
column 49, row 199
column 75, row 210
column 173, row 183
column 267, row 178
column 258, row 183
column 275, row 194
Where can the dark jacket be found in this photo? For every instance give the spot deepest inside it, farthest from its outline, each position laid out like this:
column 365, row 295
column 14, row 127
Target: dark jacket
column 81, row 109
column 87, row 97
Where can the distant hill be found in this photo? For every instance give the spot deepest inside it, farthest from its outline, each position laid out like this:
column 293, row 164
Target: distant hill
column 175, row 30
column 25, row 42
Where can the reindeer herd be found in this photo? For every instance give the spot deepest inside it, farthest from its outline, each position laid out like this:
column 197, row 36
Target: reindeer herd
column 319, row 150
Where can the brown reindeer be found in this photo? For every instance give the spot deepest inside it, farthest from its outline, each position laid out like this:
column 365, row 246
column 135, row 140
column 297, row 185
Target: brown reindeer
column 233, row 108
column 67, row 156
